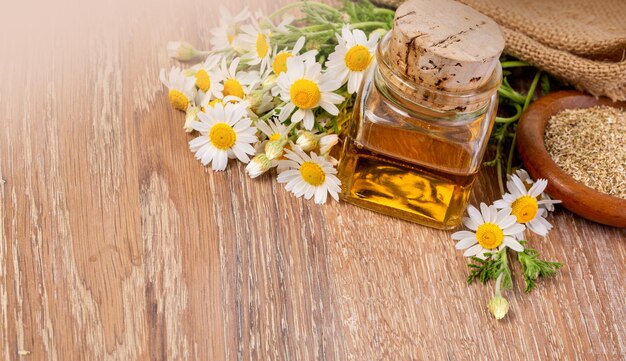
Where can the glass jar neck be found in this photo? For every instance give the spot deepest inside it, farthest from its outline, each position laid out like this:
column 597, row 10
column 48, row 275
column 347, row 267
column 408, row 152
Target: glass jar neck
column 436, row 102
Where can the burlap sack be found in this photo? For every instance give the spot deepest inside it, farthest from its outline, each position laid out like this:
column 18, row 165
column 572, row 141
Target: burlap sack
column 582, row 42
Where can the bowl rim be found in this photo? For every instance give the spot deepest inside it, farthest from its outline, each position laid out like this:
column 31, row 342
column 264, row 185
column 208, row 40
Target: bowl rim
column 575, row 196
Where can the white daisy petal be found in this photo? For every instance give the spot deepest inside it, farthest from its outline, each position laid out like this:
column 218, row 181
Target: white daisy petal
column 475, row 215
column 470, row 223
column 513, row 244
column 473, row 251
column 462, row 234
column 466, row 242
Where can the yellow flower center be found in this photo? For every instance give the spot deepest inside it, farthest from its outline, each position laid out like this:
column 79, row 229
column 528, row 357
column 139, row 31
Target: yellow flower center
column 203, row 80
column 489, row 235
column 178, row 99
column 233, row 87
column 358, row 58
column 222, row 136
column 525, row 209
column 279, row 65
column 305, row 94
column 275, row 136
column 262, row 46
column 230, row 38
column 312, row 173
column 215, row 101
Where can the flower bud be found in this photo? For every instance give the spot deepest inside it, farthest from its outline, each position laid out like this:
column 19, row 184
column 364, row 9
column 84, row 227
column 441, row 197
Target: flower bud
column 498, row 306
column 327, row 143
column 258, row 165
column 269, row 81
column 181, row 50
column 312, row 45
column 274, row 148
column 191, row 116
column 307, row 141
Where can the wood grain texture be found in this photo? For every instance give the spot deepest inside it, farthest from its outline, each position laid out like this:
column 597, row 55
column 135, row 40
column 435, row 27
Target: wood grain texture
column 116, row 244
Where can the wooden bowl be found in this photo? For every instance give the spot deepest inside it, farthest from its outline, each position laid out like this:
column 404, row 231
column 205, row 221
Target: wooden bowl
column 578, row 198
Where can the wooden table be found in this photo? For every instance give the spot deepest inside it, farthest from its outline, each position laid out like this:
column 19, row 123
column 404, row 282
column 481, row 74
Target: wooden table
column 117, row 244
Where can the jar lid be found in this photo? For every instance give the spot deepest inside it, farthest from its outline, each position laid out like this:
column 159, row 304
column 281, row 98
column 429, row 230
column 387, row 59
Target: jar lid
column 444, row 44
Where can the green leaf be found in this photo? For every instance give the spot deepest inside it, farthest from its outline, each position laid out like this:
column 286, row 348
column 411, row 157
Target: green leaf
column 490, row 268
column 533, row 267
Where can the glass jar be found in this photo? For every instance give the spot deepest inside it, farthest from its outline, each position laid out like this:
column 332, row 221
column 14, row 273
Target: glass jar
column 413, row 151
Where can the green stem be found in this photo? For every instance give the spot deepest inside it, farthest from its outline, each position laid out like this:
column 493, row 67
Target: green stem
column 511, row 119
column 284, row 9
column 531, row 91
column 297, row 4
column 509, row 163
column 383, row 11
column 499, row 169
column 499, row 285
column 368, row 24
column 505, row 260
column 511, row 94
column 529, row 97
column 513, row 64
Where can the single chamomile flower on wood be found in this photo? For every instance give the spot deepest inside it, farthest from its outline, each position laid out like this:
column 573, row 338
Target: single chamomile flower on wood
column 525, row 206
column 237, row 83
column 208, row 79
column 528, row 182
column 490, row 231
column 309, row 176
column 304, row 88
column 255, row 43
column 182, row 90
column 352, row 57
column 225, row 132
column 225, row 36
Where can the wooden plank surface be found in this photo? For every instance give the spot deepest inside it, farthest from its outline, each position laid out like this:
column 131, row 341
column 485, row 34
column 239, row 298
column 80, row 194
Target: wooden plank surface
column 116, row 244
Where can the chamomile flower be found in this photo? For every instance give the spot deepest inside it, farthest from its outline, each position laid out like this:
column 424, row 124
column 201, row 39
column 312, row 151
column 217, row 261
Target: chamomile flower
column 352, row 57
column 309, row 141
column 279, row 58
column 309, row 176
column 237, row 83
column 525, row 206
column 208, row 101
column 273, row 129
column 191, row 116
column 181, row 88
column 528, row 182
column 225, row 132
column 304, row 88
column 225, row 36
column 259, row 165
column 327, row 142
column 255, row 43
column 277, row 138
column 182, row 51
column 490, row 231
column 208, row 79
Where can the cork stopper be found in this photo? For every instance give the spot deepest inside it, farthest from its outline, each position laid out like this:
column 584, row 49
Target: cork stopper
column 444, row 44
